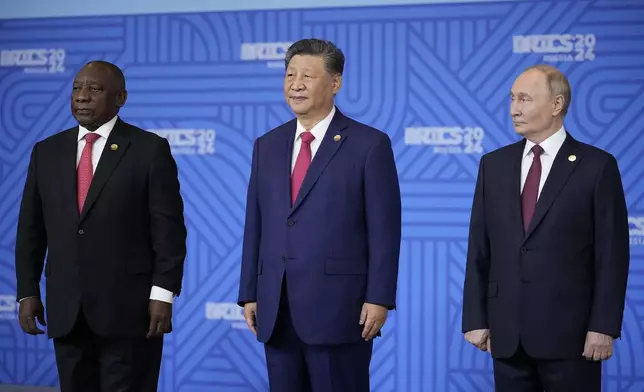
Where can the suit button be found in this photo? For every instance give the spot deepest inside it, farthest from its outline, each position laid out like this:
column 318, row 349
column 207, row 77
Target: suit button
column 524, row 249
column 283, row 259
column 81, row 232
column 291, row 222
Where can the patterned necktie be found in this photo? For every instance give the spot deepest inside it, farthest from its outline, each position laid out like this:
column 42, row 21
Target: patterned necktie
column 85, row 171
column 301, row 165
column 531, row 187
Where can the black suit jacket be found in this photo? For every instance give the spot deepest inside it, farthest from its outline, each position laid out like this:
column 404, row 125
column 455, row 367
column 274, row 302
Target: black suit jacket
column 129, row 236
column 568, row 274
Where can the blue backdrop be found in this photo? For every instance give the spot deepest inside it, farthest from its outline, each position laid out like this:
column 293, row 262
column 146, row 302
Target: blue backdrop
column 435, row 77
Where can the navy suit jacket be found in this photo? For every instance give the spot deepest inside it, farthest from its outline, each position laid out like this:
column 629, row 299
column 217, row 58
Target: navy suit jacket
column 339, row 243
column 567, row 275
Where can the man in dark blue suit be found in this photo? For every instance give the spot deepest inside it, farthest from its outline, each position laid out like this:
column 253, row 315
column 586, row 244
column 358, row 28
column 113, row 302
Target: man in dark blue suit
column 548, row 255
column 322, row 234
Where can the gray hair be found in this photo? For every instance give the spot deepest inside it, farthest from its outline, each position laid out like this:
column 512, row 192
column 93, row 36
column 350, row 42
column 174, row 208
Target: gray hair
column 557, row 84
column 331, row 54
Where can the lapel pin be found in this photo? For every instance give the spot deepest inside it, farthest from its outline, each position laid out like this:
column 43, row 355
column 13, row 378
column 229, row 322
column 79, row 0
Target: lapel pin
column 572, row 158
column 114, row 147
column 337, row 138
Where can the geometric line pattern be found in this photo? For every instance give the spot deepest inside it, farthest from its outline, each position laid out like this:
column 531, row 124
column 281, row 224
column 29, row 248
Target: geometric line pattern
column 435, row 78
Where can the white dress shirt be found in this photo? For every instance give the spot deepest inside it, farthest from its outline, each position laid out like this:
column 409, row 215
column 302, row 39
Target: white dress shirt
column 319, row 130
column 550, row 147
column 104, row 131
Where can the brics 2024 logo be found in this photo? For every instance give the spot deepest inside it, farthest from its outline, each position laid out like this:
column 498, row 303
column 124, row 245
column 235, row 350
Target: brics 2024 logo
column 636, row 229
column 189, row 141
column 227, row 312
column 272, row 52
column 34, row 60
column 557, row 47
column 8, row 307
column 447, row 140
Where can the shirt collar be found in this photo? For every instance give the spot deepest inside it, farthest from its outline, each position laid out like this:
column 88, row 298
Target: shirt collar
column 550, row 146
column 319, row 129
column 104, row 130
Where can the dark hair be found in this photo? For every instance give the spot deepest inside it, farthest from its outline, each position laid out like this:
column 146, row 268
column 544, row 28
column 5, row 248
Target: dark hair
column 116, row 72
column 332, row 55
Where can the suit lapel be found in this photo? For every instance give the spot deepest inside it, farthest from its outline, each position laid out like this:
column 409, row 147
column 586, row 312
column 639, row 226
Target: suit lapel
column 326, row 151
column 561, row 170
column 109, row 159
column 285, row 168
column 67, row 172
column 515, row 203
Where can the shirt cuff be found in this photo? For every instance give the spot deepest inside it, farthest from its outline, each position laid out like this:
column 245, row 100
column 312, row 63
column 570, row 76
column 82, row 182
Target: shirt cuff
column 22, row 299
column 161, row 294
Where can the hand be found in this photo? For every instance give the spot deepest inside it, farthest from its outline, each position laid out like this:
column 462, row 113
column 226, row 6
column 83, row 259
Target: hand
column 30, row 310
column 250, row 314
column 598, row 347
column 480, row 338
column 160, row 318
column 373, row 317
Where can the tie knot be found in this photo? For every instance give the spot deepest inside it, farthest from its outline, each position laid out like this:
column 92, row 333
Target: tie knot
column 307, row 137
column 537, row 150
column 91, row 137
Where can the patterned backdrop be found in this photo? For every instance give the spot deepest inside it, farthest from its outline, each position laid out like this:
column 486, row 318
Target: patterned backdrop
column 435, row 77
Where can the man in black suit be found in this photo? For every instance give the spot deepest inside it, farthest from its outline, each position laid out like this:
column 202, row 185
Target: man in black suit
column 548, row 254
column 103, row 200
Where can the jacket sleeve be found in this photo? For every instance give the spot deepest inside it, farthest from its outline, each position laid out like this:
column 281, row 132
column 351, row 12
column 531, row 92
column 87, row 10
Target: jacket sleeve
column 252, row 235
column 612, row 252
column 31, row 236
column 167, row 225
column 383, row 217
column 477, row 267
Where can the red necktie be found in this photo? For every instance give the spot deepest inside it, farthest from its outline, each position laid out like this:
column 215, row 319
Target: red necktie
column 301, row 164
column 85, row 171
column 531, row 187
